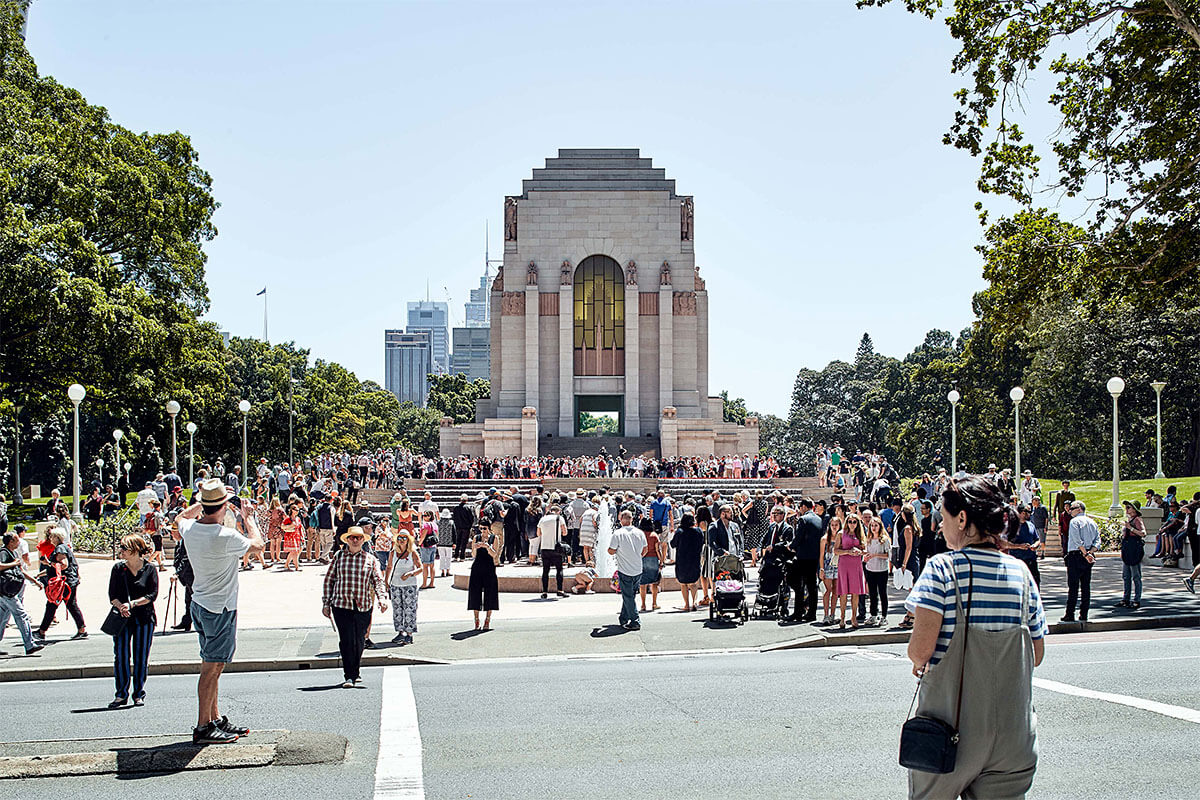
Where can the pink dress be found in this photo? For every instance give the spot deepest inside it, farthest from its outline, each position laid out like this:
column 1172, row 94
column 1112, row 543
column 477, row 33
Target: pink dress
column 850, row 578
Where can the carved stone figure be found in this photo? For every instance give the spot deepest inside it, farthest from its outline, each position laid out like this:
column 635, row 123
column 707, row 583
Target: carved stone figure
column 529, row 412
column 498, row 283
column 531, row 274
column 512, row 304
column 664, row 276
column 510, row 219
column 447, row 422
column 685, row 219
column 669, row 412
column 565, row 277
column 751, row 422
column 683, row 304
column 699, row 281
column 631, row 273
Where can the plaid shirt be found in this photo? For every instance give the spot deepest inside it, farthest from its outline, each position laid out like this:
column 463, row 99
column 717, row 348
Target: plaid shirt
column 350, row 580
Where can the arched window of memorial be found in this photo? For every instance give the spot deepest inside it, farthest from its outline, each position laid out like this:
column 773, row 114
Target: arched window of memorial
column 599, row 317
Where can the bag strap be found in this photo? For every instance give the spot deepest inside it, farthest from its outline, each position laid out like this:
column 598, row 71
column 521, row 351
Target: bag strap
column 966, row 619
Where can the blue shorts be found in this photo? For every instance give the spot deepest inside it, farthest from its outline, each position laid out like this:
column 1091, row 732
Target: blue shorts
column 218, row 634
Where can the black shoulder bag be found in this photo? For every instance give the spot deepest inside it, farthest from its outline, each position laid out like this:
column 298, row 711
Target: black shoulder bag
column 928, row 744
column 114, row 623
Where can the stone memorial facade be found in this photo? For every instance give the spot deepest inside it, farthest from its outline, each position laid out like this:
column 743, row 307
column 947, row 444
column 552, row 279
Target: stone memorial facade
column 599, row 311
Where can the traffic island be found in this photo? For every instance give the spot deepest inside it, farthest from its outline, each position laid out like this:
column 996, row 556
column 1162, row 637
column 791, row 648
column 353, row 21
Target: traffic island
column 141, row 755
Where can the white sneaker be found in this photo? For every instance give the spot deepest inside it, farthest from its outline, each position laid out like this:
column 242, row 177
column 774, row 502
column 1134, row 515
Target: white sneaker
column 348, row 684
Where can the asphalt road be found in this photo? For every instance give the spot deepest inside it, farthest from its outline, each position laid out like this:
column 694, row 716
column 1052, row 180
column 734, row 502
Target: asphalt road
column 820, row 723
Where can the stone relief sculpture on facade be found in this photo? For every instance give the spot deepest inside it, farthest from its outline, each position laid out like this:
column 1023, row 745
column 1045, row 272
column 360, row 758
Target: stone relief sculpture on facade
column 512, row 304
column 664, row 275
column 510, row 219
column 565, row 276
column 631, row 273
column 685, row 219
column 531, row 274
column 683, row 304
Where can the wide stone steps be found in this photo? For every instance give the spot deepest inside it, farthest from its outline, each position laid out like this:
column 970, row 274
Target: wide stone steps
column 574, row 447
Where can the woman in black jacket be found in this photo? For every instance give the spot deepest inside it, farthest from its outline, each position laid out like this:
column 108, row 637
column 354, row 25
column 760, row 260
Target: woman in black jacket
column 132, row 590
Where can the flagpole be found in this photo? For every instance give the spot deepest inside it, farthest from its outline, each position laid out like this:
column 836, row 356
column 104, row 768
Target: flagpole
column 265, row 340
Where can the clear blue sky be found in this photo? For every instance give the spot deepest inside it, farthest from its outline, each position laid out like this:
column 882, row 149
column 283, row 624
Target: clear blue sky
column 357, row 149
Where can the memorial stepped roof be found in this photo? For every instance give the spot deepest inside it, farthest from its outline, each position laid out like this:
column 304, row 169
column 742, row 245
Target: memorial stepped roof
column 589, row 170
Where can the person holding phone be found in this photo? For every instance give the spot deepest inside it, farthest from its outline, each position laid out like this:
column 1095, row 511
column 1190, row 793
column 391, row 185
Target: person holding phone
column 403, row 572
column 483, row 591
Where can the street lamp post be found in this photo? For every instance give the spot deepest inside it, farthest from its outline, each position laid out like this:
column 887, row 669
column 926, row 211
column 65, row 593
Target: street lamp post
column 118, row 434
column 76, row 393
column 244, row 407
column 1158, row 386
column 100, row 468
column 173, row 410
column 1017, row 394
column 20, row 498
column 191, row 429
column 1115, row 387
column 953, row 397
column 291, row 414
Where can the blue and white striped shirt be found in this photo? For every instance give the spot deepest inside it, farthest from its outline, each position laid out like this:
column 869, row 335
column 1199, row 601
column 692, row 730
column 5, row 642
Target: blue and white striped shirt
column 995, row 599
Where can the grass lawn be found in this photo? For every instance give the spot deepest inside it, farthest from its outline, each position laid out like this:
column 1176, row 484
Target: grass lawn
column 1097, row 495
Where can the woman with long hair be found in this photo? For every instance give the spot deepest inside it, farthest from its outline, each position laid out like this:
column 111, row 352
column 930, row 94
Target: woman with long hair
column 427, row 539
column 850, row 581
column 688, row 542
column 403, row 572
column 274, row 529
column 875, row 563
column 829, row 568
column 483, row 591
column 978, row 635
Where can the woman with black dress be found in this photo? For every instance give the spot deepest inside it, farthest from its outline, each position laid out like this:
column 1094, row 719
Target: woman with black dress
column 132, row 590
column 483, row 591
column 688, row 543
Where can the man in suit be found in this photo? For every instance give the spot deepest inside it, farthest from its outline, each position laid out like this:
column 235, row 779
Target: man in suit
column 802, row 577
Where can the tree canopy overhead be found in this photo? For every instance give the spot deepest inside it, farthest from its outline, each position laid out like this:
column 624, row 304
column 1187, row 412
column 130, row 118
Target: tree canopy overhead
column 1127, row 100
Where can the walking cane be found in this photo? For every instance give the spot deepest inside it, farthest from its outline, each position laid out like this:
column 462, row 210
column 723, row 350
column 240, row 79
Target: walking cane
column 171, row 596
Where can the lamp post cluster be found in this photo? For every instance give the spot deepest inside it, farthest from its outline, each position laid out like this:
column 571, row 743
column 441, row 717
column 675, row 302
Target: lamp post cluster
column 76, row 393
column 1115, row 387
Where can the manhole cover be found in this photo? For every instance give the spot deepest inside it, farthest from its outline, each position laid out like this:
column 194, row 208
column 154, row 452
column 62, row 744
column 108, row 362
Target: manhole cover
column 866, row 655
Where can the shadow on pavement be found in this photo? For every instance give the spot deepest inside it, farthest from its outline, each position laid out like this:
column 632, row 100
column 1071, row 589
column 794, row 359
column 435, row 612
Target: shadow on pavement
column 99, row 710
column 461, row 635
column 147, row 762
column 608, row 630
column 318, row 688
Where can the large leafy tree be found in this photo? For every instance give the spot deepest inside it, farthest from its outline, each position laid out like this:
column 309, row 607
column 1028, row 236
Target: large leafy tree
column 454, row 395
column 1127, row 99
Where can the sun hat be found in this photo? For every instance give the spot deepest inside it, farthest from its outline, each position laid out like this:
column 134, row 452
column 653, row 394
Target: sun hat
column 354, row 530
column 213, row 492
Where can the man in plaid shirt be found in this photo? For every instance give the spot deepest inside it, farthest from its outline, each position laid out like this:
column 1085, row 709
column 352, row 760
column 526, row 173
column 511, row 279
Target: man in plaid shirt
column 353, row 582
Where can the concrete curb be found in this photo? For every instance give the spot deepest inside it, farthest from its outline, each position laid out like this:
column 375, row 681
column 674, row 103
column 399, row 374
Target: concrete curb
column 370, row 659
column 105, row 670
column 144, row 754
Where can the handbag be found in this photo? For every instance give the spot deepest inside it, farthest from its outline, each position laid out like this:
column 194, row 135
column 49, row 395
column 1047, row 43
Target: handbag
column 114, row 623
column 928, row 744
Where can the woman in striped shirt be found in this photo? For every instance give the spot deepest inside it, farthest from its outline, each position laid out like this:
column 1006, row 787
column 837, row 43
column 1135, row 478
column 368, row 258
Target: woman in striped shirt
column 981, row 680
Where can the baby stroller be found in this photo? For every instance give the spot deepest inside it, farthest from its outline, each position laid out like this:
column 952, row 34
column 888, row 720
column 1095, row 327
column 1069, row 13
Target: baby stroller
column 773, row 589
column 728, row 576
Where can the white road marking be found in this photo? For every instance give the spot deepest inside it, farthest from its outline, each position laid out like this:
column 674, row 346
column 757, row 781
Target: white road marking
column 1125, row 660
column 398, row 770
column 1177, row 712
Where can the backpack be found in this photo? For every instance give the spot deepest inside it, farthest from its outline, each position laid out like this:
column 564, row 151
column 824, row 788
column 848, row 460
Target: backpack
column 183, row 566
column 11, row 580
column 57, row 589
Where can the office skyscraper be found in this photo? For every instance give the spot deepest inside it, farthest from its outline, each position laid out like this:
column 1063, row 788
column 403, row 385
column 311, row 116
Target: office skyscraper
column 433, row 318
column 407, row 362
column 478, row 309
column 472, row 353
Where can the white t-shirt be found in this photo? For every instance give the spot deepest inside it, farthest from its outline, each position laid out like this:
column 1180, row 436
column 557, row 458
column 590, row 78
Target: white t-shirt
column 549, row 532
column 215, row 553
column 403, row 565
column 629, row 542
column 428, row 505
column 143, row 500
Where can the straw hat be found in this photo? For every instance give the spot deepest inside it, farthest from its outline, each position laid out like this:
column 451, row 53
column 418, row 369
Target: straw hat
column 213, row 492
column 354, row 530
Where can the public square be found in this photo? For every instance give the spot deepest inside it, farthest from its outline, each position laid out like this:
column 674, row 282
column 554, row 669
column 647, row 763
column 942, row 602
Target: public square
column 487, row 399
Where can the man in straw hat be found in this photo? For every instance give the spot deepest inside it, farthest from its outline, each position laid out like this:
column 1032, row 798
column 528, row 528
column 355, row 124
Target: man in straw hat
column 354, row 579
column 215, row 552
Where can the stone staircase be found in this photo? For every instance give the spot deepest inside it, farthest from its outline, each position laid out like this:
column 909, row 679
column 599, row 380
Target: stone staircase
column 574, row 447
